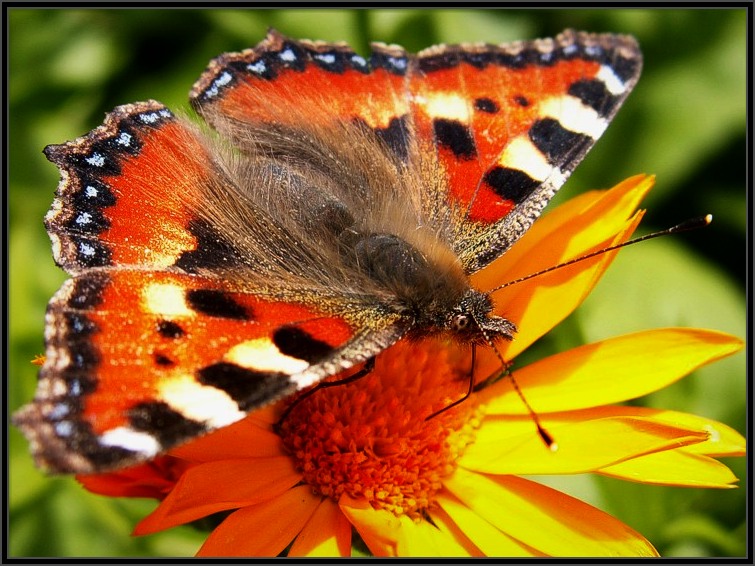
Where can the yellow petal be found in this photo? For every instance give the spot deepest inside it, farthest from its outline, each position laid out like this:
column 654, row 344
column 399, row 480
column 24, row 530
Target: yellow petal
column 544, row 302
column 264, row 529
column 490, row 540
column 379, row 530
column 576, row 225
column 447, row 525
column 327, row 533
column 545, row 519
column 422, row 538
column 610, row 371
column 586, row 442
column 722, row 439
column 570, row 231
column 217, row 486
column 385, row 534
column 674, row 467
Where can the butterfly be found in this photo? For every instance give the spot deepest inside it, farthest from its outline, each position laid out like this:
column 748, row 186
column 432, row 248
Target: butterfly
column 339, row 204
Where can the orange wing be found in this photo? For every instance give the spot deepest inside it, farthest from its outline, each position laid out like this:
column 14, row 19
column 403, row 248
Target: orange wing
column 139, row 361
column 509, row 122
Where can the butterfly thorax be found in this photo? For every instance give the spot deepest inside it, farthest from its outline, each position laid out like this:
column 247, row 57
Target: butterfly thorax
column 436, row 297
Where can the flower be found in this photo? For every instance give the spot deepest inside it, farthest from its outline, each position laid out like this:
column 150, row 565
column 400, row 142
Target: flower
column 365, row 457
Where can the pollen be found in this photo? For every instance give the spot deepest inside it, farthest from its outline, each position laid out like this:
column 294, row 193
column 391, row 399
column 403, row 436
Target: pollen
column 372, row 438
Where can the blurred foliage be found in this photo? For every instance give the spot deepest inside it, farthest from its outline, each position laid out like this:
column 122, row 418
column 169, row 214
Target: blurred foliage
column 685, row 122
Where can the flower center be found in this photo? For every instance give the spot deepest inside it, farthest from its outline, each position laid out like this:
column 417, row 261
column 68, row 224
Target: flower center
column 371, row 438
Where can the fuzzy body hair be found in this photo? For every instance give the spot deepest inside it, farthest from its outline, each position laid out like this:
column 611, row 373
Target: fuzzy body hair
column 296, row 204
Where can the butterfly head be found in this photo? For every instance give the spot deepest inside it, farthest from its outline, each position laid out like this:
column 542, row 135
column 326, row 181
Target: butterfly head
column 471, row 320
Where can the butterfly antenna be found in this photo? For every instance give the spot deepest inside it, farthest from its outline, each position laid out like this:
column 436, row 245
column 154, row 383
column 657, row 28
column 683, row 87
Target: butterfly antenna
column 686, row 226
column 544, row 434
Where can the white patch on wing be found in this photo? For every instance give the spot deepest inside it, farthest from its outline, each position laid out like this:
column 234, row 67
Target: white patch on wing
column 202, row 403
column 448, row 106
column 522, row 154
column 262, row 355
column 130, row 439
column 166, row 299
column 574, row 116
column 613, row 83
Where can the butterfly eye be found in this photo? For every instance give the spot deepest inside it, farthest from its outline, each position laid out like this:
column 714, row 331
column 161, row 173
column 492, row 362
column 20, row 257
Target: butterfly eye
column 461, row 321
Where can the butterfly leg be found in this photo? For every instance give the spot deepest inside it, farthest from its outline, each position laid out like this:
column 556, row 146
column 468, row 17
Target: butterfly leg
column 369, row 365
column 493, row 378
column 466, row 395
column 472, row 387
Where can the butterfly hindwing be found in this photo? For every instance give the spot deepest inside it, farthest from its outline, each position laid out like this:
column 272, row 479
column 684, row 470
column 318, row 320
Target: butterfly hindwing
column 139, row 361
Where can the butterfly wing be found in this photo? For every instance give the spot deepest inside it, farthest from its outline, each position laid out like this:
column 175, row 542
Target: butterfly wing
column 139, row 361
column 285, row 81
column 508, row 123
column 166, row 331
column 511, row 122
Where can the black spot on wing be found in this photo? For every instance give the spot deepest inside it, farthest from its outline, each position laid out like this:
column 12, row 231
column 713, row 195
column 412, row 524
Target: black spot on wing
column 88, row 222
column 92, row 194
column 522, row 101
column 167, row 425
column 625, row 68
column 455, row 136
column 169, row 329
column 557, row 143
column 79, row 326
column 396, row 136
column 297, row 343
column 292, row 56
column 593, row 93
column 333, row 61
column 487, row 105
column 511, row 184
column 249, row 388
column 217, row 304
column 163, row 360
column 212, row 251
column 87, row 291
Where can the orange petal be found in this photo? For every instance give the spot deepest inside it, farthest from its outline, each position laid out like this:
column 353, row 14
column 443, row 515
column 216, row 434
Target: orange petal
column 217, row 486
column 385, row 534
column 490, row 540
column 674, row 467
column 265, row 529
column 570, row 231
column 610, row 371
column 251, row 437
column 545, row 519
column 586, row 442
column 155, row 478
column 327, row 533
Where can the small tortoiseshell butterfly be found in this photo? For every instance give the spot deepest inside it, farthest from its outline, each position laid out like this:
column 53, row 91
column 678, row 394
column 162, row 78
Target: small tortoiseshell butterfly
column 342, row 205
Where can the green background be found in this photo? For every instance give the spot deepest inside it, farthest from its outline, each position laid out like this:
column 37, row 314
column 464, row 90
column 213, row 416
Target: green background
column 684, row 122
